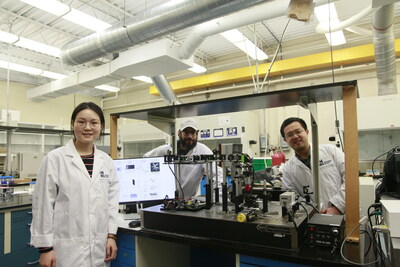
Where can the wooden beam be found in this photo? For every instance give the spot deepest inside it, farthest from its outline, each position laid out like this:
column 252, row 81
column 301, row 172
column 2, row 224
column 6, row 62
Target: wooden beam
column 113, row 136
column 351, row 161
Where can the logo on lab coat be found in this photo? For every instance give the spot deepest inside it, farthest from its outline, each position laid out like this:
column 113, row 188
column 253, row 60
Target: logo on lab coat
column 103, row 175
column 323, row 163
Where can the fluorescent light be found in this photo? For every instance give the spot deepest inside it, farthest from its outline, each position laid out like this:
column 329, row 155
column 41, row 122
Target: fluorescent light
column 336, row 38
column 143, row 79
column 327, row 14
column 31, row 70
column 107, row 88
column 66, row 12
column 197, row 68
column 244, row 44
column 85, row 20
column 39, row 47
column 54, row 7
column 53, row 75
column 29, row 44
column 20, row 68
column 7, row 37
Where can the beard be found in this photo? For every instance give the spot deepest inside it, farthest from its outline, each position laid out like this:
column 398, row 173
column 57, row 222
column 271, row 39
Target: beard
column 188, row 143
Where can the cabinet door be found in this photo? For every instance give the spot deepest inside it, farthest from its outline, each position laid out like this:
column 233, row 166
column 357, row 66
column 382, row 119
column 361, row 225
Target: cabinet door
column 200, row 257
column 246, row 261
column 21, row 258
column 126, row 256
column 20, row 240
column 20, row 229
column 21, row 219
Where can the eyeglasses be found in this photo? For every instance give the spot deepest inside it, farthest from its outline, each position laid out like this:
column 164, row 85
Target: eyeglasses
column 92, row 124
column 290, row 135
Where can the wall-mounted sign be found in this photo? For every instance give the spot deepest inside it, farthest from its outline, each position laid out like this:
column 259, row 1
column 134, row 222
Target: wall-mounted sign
column 218, row 132
column 231, row 131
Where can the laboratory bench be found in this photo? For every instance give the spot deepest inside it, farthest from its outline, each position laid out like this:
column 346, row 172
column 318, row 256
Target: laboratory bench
column 149, row 248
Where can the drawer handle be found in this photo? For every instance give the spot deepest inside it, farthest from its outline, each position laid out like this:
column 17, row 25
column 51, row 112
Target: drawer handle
column 32, row 263
column 29, row 224
column 29, row 212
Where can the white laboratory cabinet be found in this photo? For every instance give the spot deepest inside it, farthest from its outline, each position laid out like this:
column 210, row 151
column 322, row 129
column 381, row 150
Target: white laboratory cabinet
column 377, row 112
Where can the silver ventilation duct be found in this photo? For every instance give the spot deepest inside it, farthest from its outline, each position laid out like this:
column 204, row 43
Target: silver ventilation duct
column 385, row 58
column 167, row 18
column 165, row 90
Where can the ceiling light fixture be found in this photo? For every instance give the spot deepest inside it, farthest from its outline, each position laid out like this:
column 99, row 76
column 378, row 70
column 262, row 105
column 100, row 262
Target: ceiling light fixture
column 197, row 68
column 7, row 37
column 20, row 68
column 53, row 75
column 327, row 14
column 10, row 38
column 143, row 79
column 244, row 44
column 108, row 88
column 31, row 70
column 66, row 12
column 38, row 47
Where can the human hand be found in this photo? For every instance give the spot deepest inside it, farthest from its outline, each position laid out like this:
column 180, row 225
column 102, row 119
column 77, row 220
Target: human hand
column 331, row 210
column 111, row 249
column 47, row 259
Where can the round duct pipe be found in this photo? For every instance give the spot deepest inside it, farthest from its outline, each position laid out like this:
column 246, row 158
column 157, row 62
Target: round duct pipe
column 159, row 21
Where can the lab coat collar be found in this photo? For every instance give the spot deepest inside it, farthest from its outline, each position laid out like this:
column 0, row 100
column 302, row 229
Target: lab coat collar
column 77, row 160
column 298, row 162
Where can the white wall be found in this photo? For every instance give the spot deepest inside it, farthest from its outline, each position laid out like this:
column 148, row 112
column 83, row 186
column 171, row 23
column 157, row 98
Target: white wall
column 51, row 112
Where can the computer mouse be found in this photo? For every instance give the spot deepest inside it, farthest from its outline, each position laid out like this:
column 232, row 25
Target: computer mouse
column 134, row 224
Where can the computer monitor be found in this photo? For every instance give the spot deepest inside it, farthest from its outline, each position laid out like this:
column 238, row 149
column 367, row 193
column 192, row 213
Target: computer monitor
column 144, row 180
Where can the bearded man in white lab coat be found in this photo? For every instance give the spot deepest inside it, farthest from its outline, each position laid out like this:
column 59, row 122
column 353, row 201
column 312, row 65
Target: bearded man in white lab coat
column 190, row 174
column 297, row 171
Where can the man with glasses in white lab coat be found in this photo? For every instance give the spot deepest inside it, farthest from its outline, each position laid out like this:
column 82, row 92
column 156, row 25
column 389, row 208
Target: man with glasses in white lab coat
column 297, row 171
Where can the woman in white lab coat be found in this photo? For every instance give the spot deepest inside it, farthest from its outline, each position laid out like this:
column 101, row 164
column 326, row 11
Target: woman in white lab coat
column 75, row 201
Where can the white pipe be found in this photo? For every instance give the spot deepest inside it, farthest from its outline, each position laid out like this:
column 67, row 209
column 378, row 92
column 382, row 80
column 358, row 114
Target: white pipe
column 248, row 16
column 165, row 90
column 108, row 98
column 326, row 28
column 359, row 30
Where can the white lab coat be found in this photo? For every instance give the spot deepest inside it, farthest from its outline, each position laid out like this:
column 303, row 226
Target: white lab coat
column 72, row 211
column 295, row 175
column 190, row 174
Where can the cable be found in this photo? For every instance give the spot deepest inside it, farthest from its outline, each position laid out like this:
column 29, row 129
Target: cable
column 308, row 216
column 337, row 126
column 311, row 206
column 274, row 58
column 177, row 180
column 370, row 241
column 362, row 221
column 291, row 215
column 381, row 156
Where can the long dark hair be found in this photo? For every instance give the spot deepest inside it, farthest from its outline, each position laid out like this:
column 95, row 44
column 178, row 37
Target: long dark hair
column 92, row 106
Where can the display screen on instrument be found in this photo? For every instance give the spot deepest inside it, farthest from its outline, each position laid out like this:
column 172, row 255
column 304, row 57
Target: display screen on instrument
column 144, row 179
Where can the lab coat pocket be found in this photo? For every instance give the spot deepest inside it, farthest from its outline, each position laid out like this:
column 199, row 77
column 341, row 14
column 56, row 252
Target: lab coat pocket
column 71, row 252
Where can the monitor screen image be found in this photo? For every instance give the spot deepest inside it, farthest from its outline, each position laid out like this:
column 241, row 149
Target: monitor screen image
column 144, row 179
